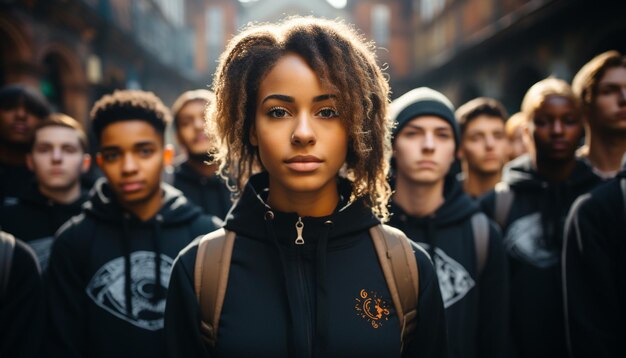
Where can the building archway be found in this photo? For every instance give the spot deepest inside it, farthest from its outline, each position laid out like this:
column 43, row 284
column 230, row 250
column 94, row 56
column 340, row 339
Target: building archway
column 16, row 60
column 63, row 80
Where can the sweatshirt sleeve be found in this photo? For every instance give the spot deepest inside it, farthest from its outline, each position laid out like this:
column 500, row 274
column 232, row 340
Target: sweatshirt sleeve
column 493, row 315
column 592, row 281
column 65, row 293
column 22, row 307
column 182, row 312
column 430, row 336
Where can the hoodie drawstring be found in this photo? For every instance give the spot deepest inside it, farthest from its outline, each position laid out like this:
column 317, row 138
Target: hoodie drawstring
column 156, row 240
column 321, row 313
column 269, row 217
column 127, row 269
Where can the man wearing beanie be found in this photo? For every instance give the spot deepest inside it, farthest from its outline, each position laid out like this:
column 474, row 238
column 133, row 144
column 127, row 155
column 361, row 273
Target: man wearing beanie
column 431, row 208
column 193, row 176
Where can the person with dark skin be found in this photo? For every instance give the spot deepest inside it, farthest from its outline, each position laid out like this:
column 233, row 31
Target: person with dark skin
column 109, row 267
column 484, row 148
column 21, row 108
column 300, row 114
column 58, row 157
column 195, row 177
column 539, row 188
column 430, row 207
column 601, row 86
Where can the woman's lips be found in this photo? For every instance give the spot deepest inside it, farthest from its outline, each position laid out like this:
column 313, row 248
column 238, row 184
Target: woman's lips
column 304, row 163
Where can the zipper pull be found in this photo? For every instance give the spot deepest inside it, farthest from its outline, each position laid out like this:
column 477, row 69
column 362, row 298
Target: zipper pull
column 299, row 228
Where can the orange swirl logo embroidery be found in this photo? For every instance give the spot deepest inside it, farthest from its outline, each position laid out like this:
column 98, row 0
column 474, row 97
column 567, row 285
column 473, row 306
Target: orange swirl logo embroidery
column 372, row 308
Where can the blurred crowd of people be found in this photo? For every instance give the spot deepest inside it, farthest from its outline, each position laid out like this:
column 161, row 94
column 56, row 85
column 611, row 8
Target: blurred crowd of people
column 523, row 216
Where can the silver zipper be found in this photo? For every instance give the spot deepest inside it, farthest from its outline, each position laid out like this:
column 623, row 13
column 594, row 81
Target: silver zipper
column 299, row 228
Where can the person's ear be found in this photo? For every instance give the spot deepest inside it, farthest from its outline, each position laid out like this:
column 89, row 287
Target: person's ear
column 459, row 154
column 86, row 163
column 29, row 162
column 254, row 140
column 168, row 155
column 99, row 159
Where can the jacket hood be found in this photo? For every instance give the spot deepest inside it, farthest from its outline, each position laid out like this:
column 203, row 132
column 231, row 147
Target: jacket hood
column 175, row 209
column 521, row 173
column 33, row 196
column 250, row 214
column 457, row 206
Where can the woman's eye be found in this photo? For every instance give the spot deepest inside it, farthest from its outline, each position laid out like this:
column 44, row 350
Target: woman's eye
column 328, row 113
column 278, row 112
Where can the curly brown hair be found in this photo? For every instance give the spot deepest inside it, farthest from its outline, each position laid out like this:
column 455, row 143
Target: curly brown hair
column 344, row 61
column 125, row 105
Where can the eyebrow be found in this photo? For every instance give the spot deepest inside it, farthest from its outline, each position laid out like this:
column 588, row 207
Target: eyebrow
column 414, row 126
column 136, row 145
column 284, row 98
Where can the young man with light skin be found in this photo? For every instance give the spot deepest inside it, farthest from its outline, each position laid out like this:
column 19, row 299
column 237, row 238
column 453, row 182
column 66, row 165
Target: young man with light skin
column 195, row 177
column 515, row 134
column 21, row 108
column 484, row 147
column 430, row 207
column 58, row 157
column 601, row 86
column 109, row 266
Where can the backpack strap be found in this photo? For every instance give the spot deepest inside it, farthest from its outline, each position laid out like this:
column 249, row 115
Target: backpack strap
column 504, row 201
column 7, row 246
column 399, row 266
column 211, row 279
column 480, row 229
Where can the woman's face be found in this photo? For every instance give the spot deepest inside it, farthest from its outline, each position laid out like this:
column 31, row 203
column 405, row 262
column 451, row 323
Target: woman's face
column 301, row 139
column 556, row 129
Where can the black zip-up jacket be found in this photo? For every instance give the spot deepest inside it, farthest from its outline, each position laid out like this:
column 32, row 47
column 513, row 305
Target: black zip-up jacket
column 476, row 302
column 595, row 272
column 21, row 308
column 533, row 240
column 209, row 193
column 14, row 181
column 108, row 275
column 303, row 300
column 35, row 219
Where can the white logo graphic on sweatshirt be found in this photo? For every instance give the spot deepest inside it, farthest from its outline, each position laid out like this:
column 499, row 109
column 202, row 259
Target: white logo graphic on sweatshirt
column 106, row 289
column 524, row 240
column 454, row 280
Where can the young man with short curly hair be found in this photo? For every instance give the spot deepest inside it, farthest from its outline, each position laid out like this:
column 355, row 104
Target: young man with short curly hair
column 110, row 266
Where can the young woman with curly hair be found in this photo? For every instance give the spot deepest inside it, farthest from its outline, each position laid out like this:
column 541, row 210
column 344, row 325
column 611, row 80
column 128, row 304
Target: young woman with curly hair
column 301, row 111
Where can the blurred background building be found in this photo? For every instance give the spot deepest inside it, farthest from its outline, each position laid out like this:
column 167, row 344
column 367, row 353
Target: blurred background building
column 77, row 50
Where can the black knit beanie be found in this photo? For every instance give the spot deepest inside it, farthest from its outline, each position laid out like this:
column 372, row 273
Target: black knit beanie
column 423, row 101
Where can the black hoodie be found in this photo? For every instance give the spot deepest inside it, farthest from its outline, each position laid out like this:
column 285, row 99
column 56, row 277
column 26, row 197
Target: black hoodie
column 476, row 303
column 533, row 240
column 595, row 272
column 102, row 297
column 14, row 181
column 303, row 300
column 21, row 308
column 35, row 219
column 209, row 193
